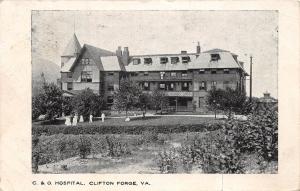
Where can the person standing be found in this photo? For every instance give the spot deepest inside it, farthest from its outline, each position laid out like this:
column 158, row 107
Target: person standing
column 91, row 118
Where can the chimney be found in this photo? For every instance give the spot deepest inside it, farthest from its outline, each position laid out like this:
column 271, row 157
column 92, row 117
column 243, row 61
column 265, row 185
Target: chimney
column 198, row 49
column 119, row 51
column 125, row 56
column 183, row 52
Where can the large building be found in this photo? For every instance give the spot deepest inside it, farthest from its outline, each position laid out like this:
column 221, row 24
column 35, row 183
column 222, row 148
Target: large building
column 185, row 77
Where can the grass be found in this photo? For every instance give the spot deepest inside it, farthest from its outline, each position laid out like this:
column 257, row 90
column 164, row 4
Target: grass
column 137, row 121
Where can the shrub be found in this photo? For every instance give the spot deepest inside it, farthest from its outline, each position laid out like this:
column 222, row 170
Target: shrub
column 84, row 147
column 167, row 162
column 149, row 136
column 116, row 148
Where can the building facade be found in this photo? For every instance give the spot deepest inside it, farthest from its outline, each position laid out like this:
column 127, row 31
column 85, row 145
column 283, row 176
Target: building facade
column 185, row 77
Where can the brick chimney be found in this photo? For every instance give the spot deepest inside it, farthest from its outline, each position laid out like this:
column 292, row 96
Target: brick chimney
column 198, row 48
column 125, row 56
column 119, row 51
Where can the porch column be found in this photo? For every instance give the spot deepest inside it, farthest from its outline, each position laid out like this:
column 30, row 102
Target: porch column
column 176, row 100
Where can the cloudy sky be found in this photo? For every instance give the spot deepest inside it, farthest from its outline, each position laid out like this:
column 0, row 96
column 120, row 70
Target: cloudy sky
column 150, row 32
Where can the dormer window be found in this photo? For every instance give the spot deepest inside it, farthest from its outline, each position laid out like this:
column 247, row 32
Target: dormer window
column 201, row 71
column 163, row 60
column 174, row 60
column 215, row 57
column 136, row 61
column 147, row 60
column 226, row 71
column 213, row 71
column 186, row 59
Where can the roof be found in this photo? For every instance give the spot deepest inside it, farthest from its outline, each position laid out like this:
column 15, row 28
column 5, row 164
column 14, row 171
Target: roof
column 73, row 47
column 204, row 61
column 94, row 52
column 111, row 63
column 156, row 65
column 67, row 66
column 215, row 50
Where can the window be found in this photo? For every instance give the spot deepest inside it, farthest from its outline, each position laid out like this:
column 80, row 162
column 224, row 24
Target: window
column 201, row 71
column 163, row 60
column 86, row 76
column 213, row 71
column 146, row 73
column 110, row 88
column 110, row 100
column 85, row 61
column 162, row 86
column 185, row 59
column 162, row 74
column 184, row 74
column 70, row 75
column 69, row 85
column 213, row 84
column 147, row 60
column 185, row 86
column 146, row 86
column 202, row 85
column 136, row 61
column 173, row 74
column 174, row 60
column 226, row 71
column 171, row 86
column 110, row 73
column 214, row 57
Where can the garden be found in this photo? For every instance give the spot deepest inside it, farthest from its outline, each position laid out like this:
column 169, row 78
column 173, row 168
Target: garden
column 158, row 144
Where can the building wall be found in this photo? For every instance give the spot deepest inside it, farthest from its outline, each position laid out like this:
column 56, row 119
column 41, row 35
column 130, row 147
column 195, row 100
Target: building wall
column 76, row 75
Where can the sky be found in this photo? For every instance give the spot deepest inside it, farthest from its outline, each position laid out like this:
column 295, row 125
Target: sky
column 244, row 33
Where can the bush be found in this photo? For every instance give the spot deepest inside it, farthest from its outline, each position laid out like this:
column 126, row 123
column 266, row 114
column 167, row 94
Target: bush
column 149, row 136
column 84, row 147
column 167, row 162
column 116, row 148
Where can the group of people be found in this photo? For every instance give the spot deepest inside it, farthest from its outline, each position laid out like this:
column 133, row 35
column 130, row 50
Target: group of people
column 75, row 119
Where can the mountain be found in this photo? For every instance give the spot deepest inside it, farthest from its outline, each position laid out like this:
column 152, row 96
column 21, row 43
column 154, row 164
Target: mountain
column 50, row 70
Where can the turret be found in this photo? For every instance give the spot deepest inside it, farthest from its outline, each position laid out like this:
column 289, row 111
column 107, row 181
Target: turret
column 72, row 50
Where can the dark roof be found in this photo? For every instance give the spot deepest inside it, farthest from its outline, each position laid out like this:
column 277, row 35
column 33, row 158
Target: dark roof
column 73, row 47
column 96, row 52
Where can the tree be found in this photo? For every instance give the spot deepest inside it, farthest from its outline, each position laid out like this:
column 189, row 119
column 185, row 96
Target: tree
column 144, row 102
column 159, row 100
column 127, row 96
column 87, row 103
column 48, row 102
column 228, row 100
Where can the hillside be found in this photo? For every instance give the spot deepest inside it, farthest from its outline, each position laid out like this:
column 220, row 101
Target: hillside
column 51, row 72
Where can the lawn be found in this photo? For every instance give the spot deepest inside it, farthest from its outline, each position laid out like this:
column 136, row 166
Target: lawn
column 147, row 121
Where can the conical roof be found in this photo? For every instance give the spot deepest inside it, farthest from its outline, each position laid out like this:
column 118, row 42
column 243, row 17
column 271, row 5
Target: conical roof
column 73, row 47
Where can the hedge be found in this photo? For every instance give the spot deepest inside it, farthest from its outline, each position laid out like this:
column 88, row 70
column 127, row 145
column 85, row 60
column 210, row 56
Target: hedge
column 135, row 130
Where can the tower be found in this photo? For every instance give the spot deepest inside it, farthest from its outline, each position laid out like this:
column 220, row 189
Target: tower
column 72, row 50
